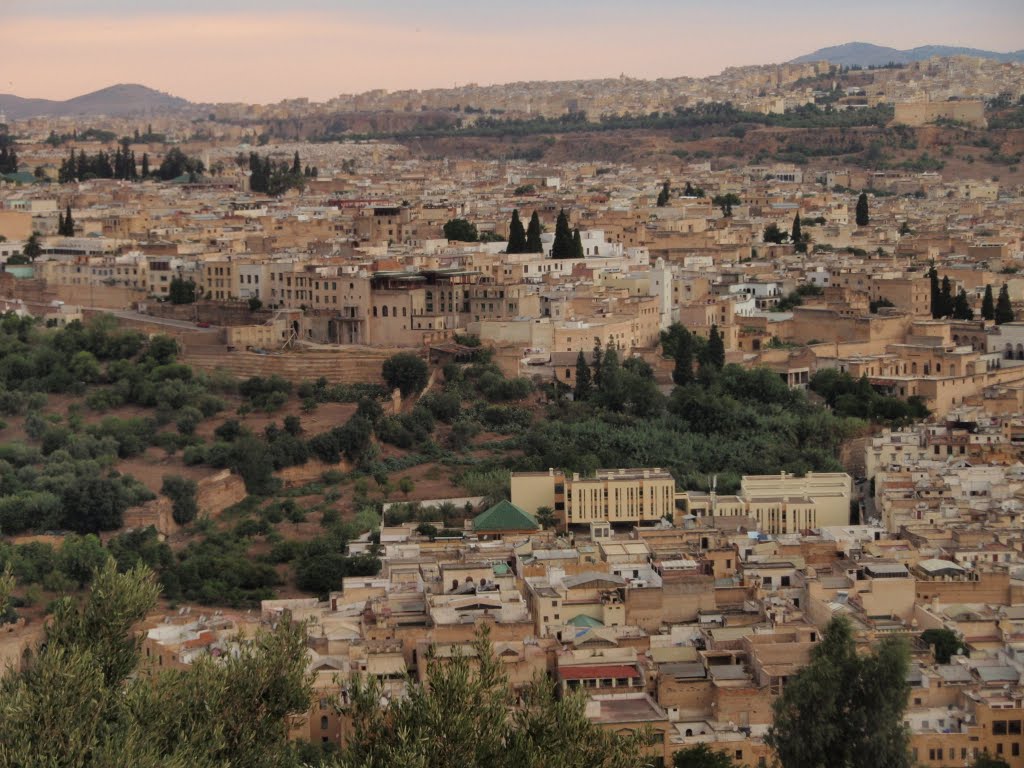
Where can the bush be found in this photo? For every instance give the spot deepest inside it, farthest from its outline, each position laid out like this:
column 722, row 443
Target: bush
column 182, row 493
column 405, row 372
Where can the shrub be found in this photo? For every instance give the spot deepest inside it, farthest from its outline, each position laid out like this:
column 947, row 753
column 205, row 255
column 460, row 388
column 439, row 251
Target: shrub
column 405, row 372
column 182, row 493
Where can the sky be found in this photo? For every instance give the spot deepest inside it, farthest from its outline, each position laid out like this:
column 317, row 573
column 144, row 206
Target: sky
column 262, row 51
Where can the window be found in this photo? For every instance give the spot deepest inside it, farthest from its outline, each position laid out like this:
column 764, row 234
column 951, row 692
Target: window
column 998, row 727
column 323, row 723
column 1013, row 727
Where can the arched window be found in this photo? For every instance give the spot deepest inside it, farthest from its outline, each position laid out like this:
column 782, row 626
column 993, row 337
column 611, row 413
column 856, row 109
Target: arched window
column 323, row 723
column 384, row 310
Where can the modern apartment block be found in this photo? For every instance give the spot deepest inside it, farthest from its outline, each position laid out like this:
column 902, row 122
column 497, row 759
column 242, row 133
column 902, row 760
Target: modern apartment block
column 615, row 495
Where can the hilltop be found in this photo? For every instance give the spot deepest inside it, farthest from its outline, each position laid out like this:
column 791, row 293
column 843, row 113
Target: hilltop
column 116, row 100
column 871, row 55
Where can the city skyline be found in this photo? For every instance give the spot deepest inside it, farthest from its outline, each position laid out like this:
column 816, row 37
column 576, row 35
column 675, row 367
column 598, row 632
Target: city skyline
column 319, row 49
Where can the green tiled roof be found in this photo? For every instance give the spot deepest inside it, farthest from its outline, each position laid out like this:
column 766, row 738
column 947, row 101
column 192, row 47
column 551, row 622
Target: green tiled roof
column 587, row 622
column 505, row 516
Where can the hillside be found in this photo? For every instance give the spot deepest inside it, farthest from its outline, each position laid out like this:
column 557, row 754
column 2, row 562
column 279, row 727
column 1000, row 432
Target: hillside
column 870, row 55
column 117, row 100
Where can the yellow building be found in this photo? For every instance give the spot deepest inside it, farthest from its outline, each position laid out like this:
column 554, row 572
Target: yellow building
column 615, row 495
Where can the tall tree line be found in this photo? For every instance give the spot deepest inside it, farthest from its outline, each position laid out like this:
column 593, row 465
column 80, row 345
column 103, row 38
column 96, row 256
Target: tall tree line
column 275, row 178
column 526, row 240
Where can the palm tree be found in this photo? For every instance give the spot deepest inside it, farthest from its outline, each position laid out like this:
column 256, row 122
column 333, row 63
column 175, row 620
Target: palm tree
column 546, row 517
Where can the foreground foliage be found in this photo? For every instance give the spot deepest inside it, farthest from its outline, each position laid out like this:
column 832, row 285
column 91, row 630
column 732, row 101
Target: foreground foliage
column 462, row 718
column 81, row 702
column 844, row 709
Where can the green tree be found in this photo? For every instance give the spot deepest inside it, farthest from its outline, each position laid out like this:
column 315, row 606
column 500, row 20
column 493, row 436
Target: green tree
column 255, row 304
column 796, row 235
column 946, row 298
column 701, row 756
column 83, row 701
column 862, row 215
column 961, row 307
column 582, row 389
column 145, row 165
column 988, row 305
column 94, row 503
column 561, row 247
column 32, row 249
column 597, row 359
column 406, row 486
column 725, row 202
column 182, row 492
column 405, row 372
column 1004, row 309
column 844, row 709
column 461, row 230
column 936, row 292
column 577, row 244
column 181, row 291
column 175, row 164
column 682, row 372
column 461, row 718
column 772, row 234
column 945, row 642
column 663, row 195
column 715, row 350
column 533, row 233
column 546, row 517
column 516, row 235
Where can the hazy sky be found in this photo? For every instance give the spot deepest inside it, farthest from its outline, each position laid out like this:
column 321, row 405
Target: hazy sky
column 263, row 51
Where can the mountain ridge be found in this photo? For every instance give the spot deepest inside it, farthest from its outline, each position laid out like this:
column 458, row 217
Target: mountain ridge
column 871, row 55
column 119, row 100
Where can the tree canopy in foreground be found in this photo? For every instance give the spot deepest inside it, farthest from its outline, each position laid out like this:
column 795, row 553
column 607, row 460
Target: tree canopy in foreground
column 844, row 709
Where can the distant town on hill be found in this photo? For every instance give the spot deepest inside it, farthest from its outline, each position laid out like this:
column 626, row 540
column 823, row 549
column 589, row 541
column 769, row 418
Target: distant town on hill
column 124, row 100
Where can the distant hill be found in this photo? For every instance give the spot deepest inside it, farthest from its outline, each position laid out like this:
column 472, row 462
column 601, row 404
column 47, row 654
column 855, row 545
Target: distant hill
column 117, row 100
column 867, row 54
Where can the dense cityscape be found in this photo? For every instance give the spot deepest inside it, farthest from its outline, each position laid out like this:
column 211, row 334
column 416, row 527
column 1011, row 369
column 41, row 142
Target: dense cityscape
column 612, row 422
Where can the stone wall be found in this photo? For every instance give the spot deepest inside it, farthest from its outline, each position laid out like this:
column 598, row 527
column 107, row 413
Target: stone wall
column 293, row 477
column 346, row 365
column 214, row 494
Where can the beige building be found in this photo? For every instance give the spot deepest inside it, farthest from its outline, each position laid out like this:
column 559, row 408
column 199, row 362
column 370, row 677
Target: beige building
column 614, row 495
column 782, row 503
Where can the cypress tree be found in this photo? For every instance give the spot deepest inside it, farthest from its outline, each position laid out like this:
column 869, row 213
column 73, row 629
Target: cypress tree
column 715, row 355
column 961, row 308
column 682, row 374
column 577, row 244
column 1004, row 309
column 862, row 210
column 516, row 235
column 663, row 195
column 69, row 224
column 582, row 389
column 946, row 298
column 933, row 277
column 533, row 243
column 988, row 305
column 296, row 165
column 598, row 359
column 145, row 165
column 60, row 223
column 562, row 248
column 797, row 236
